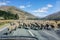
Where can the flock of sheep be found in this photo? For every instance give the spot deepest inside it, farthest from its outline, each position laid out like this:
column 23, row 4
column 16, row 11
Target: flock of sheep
column 35, row 25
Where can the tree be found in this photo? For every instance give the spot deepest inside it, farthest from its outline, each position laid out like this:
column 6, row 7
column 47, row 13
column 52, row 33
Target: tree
column 16, row 16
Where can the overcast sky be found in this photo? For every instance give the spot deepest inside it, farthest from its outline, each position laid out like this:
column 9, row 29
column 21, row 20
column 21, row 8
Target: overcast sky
column 40, row 8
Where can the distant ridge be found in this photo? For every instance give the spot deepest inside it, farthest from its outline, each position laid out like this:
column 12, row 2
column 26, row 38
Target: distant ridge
column 54, row 16
column 20, row 13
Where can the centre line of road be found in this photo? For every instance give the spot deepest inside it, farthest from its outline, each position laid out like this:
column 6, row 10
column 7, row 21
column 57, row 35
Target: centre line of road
column 31, row 33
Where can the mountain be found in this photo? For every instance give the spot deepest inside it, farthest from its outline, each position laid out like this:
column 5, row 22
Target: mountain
column 54, row 16
column 13, row 11
column 8, row 15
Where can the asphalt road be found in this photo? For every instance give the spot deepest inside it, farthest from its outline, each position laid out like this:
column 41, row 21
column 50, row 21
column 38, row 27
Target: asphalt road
column 40, row 34
column 4, row 29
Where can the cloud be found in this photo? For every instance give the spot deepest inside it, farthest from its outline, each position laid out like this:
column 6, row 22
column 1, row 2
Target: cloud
column 49, row 5
column 24, row 6
column 3, row 3
column 28, row 6
column 43, row 9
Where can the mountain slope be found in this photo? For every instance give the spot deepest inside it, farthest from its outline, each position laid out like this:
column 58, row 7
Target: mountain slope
column 22, row 14
column 54, row 16
column 8, row 15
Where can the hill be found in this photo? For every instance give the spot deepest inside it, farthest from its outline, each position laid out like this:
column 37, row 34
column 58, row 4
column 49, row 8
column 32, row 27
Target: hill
column 12, row 11
column 54, row 16
column 8, row 15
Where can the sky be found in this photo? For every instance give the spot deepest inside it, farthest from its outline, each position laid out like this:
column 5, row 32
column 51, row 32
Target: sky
column 39, row 8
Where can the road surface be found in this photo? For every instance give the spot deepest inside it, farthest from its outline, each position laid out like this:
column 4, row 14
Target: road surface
column 4, row 29
column 40, row 34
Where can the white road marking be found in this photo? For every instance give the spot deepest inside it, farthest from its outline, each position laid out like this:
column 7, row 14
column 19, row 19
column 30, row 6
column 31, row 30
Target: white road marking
column 31, row 33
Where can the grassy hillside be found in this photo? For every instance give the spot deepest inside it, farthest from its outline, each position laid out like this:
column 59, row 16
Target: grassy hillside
column 8, row 15
column 13, row 12
column 54, row 16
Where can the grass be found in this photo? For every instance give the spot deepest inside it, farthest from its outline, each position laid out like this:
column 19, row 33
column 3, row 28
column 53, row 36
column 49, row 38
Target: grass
column 2, row 24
